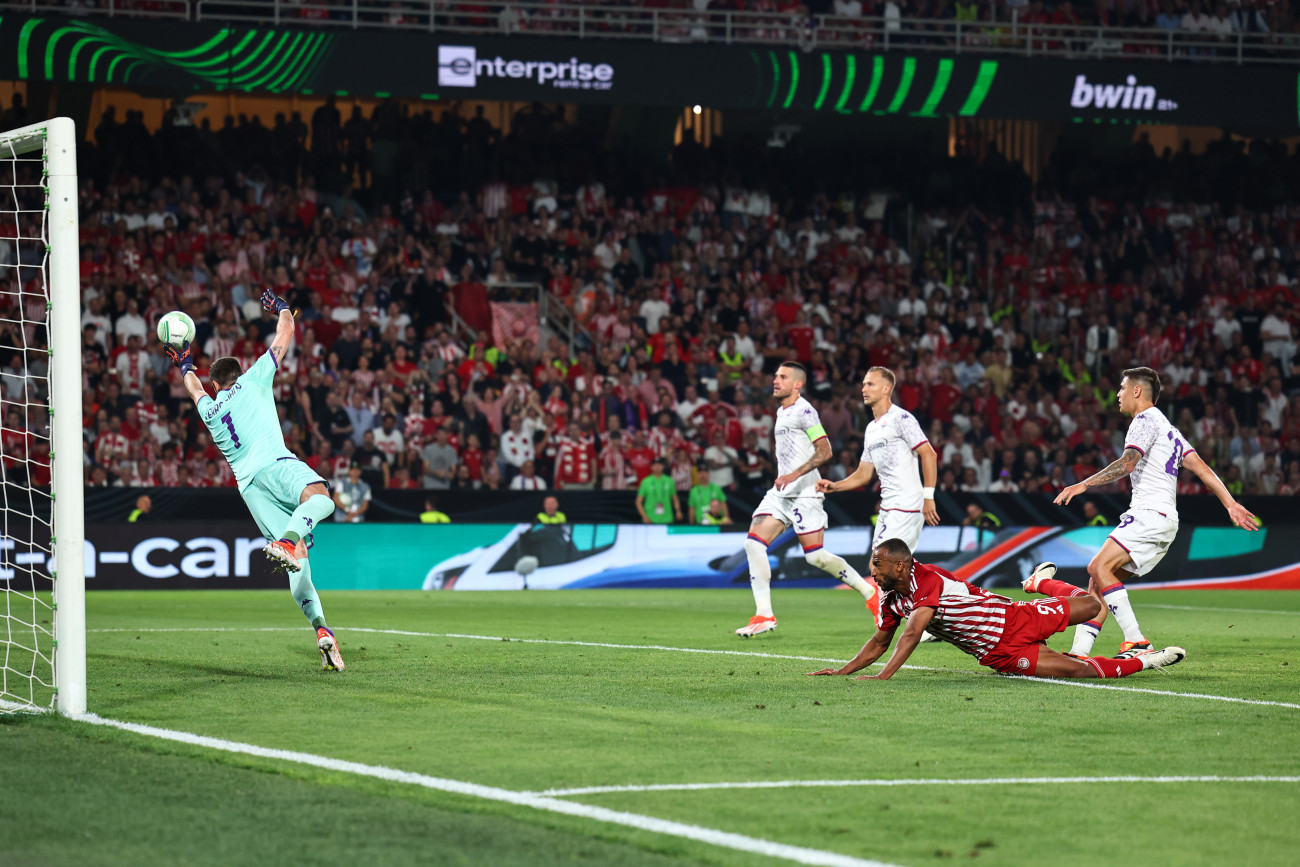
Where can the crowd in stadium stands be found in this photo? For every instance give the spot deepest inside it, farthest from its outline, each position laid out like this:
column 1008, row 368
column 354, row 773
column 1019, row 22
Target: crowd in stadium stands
column 1007, row 312
column 988, row 22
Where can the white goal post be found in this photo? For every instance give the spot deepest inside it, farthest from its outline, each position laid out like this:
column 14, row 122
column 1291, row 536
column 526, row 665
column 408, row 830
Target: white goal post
column 42, row 644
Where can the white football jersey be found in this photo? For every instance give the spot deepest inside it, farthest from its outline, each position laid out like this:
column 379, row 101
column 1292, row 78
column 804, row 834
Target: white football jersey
column 798, row 427
column 1155, row 478
column 890, row 443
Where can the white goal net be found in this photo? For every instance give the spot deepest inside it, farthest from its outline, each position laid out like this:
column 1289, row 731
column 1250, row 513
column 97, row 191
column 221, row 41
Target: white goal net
column 42, row 586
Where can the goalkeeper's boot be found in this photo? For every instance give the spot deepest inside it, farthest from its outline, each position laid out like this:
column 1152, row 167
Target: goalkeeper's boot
column 281, row 552
column 1130, row 649
column 330, row 658
column 757, row 625
column 1041, row 572
column 1161, row 658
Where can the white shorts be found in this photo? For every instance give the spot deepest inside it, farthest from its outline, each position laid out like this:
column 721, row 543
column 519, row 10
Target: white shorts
column 898, row 524
column 806, row 514
column 1146, row 535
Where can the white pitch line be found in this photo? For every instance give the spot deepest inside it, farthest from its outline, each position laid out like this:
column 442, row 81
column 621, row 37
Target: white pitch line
column 1082, row 684
column 725, row 839
column 982, row 781
column 1088, row 684
column 1229, row 610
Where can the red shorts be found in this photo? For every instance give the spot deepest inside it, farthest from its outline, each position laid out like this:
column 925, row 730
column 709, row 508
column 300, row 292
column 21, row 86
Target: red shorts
column 1028, row 625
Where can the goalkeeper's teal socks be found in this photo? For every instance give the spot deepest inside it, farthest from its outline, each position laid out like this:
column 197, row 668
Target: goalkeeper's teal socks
column 304, row 593
column 315, row 509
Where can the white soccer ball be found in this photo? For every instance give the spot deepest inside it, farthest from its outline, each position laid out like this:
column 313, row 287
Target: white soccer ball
column 176, row 328
column 345, row 499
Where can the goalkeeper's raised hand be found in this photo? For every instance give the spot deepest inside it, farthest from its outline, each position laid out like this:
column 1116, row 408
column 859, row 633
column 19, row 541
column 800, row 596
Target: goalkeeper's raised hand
column 273, row 303
column 182, row 357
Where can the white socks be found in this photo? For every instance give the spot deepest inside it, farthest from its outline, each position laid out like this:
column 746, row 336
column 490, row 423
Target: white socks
column 837, row 567
column 1084, row 636
column 1116, row 599
column 760, row 575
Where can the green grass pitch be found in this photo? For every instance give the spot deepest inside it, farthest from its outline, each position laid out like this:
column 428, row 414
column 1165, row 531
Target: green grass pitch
column 453, row 699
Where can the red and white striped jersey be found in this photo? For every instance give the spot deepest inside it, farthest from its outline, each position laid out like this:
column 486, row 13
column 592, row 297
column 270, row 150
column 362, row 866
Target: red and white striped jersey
column 969, row 617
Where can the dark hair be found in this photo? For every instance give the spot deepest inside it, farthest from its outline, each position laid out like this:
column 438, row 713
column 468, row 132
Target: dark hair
column 801, row 372
column 1148, row 379
column 895, row 549
column 225, row 371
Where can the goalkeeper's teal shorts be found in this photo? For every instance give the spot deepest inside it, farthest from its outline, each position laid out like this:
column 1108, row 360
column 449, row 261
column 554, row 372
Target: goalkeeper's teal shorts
column 274, row 493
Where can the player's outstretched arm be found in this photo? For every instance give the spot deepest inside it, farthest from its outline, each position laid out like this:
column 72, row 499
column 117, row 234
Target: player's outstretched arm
column 916, row 624
column 278, row 307
column 870, row 652
column 183, row 359
column 859, row 478
column 929, row 478
column 1118, row 469
column 1241, row 516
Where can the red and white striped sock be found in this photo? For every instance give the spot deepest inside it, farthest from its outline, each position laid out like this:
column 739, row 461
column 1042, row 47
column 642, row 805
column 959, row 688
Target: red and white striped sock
column 1055, row 587
column 1107, row 667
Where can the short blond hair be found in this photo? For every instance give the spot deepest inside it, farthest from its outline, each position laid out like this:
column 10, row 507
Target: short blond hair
column 887, row 374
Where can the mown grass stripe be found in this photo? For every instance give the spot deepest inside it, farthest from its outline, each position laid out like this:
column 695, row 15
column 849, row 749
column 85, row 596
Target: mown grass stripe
column 725, row 839
column 1084, row 684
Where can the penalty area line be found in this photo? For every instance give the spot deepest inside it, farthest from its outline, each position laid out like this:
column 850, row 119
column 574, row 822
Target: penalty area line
column 724, row 839
column 1075, row 682
column 979, row 781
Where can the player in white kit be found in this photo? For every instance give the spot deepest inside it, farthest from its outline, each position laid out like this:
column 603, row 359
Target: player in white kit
column 794, row 501
column 1153, row 451
column 890, row 448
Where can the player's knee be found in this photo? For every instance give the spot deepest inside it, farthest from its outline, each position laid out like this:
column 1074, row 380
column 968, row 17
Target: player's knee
column 1101, row 575
column 325, row 503
column 1084, row 608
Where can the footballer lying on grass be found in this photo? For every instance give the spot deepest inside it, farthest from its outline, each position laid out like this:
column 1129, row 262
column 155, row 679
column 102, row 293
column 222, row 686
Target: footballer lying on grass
column 1004, row 635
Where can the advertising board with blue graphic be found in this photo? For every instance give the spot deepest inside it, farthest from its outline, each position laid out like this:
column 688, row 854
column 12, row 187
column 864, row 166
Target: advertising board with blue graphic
column 227, row 555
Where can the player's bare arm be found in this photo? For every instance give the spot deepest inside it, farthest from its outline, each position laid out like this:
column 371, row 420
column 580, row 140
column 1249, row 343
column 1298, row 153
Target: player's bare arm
column 1241, row 516
column 859, row 478
column 929, row 478
column 279, row 308
column 1118, row 469
column 821, row 454
column 911, row 637
column 870, row 652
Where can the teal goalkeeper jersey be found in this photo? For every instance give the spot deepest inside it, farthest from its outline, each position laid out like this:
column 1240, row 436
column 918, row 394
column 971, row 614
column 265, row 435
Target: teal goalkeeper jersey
column 244, row 423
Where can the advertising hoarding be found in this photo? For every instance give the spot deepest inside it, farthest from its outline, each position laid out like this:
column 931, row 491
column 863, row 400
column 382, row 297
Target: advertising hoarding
column 204, row 57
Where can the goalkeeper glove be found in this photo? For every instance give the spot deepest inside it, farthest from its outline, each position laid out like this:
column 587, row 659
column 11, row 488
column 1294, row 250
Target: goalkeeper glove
column 273, row 303
column 180, row 357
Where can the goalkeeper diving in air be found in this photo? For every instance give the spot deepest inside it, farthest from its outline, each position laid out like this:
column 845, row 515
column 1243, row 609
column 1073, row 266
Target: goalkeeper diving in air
column 286, row 498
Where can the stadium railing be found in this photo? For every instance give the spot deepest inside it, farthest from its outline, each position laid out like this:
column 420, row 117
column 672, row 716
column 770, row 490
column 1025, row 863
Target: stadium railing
column 178, row 9
column 616, row 21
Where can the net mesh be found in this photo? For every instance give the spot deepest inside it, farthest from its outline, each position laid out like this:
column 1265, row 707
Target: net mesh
column 26, row 545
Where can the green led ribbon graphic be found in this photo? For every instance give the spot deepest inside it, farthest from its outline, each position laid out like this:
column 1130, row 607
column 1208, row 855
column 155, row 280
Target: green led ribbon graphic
column 983, row 81
column 252, row 60
column 941, row 79
column 939, row 76
column 877, row 73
